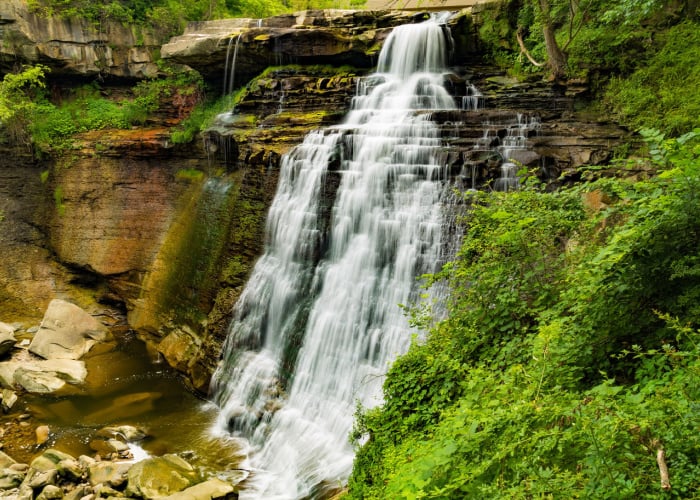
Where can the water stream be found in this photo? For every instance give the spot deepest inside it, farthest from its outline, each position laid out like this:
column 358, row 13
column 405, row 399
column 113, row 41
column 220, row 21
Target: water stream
column 231, row 56
column 359, row 214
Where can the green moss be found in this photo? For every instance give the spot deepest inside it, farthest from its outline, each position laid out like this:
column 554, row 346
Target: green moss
column 58, row 200
column 193, row 247
column 235, row 271
column 189, row 175
column 312, row 69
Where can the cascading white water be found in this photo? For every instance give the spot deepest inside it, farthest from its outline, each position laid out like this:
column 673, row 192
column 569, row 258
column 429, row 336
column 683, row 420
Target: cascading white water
column 230, row 77
column 474, row 100
column 319, row 320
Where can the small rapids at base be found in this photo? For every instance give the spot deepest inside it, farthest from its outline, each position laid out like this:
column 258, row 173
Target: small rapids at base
column 360, row 213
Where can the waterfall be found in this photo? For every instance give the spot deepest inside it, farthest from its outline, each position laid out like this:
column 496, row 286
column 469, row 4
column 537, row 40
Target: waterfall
column 515, row 140
column 229, row 78
column 359, row 214
column 474, row 100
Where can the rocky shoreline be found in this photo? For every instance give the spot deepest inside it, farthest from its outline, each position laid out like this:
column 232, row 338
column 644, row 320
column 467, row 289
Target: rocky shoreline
column 54, row 474
column 67, row 355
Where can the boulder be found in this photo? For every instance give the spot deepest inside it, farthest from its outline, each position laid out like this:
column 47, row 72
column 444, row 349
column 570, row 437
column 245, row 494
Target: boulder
column 10, row 478
column 70, row 469
column 67, row 332
column 7, row 338
column 37, row 479
column 50, row 492
column 49, row 460
column 113, row 474
column 53, row 376
column 128, row 433
column 106, row 447
column 213, row 488
column 42, row 434
column 161, row 476
column 9, row 398
column 38, row 382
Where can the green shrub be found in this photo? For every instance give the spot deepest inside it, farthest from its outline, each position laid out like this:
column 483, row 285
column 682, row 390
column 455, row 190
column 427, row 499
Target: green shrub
column 571, row 354
column 660, row 94
column 201, row 117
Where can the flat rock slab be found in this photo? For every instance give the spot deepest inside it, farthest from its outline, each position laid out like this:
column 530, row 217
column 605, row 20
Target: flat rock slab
column 51, row 376
column 67, row 332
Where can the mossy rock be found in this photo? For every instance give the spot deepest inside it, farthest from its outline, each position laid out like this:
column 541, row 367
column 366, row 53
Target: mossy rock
column 161, row 476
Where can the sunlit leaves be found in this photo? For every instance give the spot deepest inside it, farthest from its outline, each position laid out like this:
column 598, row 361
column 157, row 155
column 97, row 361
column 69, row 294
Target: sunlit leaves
column 600, row 371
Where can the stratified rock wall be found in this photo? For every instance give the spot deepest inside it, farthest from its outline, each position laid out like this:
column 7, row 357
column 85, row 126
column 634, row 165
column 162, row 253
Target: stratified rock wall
column 74, row 47
column 334, row 37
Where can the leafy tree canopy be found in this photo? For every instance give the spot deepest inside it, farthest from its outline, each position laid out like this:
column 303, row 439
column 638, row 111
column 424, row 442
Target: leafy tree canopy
column 170, row 15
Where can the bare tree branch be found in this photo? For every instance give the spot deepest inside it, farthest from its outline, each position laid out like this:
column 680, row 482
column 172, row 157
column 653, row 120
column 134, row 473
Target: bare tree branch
column 574, row 10
column 663, row 469
column 523, row 50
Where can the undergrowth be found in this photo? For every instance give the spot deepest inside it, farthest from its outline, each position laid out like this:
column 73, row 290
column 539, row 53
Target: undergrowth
column 569, row 366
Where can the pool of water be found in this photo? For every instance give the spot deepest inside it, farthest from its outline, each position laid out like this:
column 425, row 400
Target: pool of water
column 127, row 387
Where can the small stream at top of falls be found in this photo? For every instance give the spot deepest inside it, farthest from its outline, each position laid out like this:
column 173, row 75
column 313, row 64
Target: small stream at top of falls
column 359, row 214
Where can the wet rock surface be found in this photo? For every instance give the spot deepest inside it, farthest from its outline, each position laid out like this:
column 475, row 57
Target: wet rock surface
column 67, row 332
column 61, row 448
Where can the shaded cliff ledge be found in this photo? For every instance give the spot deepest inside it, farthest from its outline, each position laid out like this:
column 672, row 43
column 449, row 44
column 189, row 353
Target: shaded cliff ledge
column 335, row 37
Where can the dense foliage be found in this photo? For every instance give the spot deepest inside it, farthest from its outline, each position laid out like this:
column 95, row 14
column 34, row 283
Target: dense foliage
column 570, row 358
column 32, row 119
column 169, row 16
column 595, row 37
column 659, row 93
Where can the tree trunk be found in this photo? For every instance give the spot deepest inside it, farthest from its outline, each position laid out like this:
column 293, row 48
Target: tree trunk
column 556, row 59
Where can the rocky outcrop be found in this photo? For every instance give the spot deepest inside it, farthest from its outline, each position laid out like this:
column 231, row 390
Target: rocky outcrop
column 74, row 46
column 55, row 474
column 245, row 47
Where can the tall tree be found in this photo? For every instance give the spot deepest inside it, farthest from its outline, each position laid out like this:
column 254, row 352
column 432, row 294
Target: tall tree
column 556, row 57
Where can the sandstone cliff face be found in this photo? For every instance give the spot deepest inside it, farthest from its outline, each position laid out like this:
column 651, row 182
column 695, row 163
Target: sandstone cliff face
column 74, row 47
column 170, row 233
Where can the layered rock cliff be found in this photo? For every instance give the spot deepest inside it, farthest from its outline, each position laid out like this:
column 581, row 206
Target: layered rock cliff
column 168, row 233
column 74, row 47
